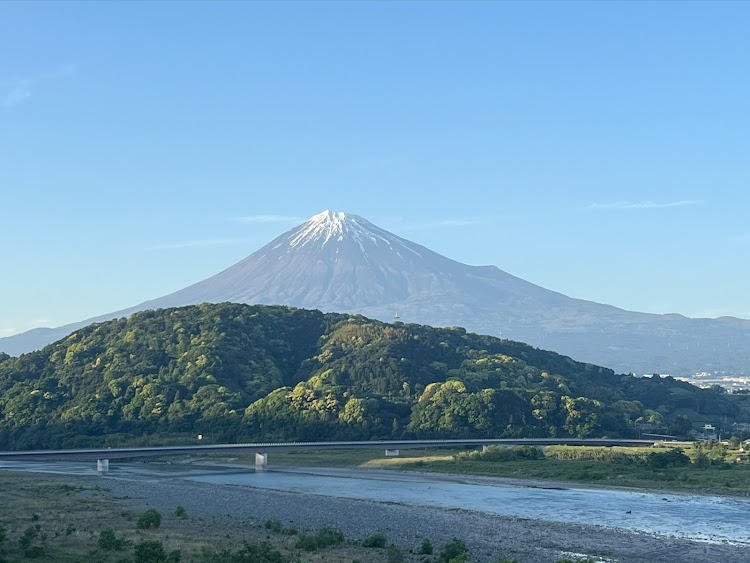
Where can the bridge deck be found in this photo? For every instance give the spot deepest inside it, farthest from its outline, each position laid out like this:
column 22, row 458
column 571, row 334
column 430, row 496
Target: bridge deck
column 127, row 453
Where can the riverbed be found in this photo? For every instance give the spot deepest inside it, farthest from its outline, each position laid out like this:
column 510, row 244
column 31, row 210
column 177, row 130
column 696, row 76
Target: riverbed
column 538, row 522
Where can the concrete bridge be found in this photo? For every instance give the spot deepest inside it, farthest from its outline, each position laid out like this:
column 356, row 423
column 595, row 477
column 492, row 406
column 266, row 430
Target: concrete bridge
column 261, row 450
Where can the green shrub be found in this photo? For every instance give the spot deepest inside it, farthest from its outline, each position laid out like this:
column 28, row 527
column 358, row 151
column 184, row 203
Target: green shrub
column 375, row 540
column 149, row 519
column 29, row 535
column 180, row 512
column 495, row 453
column 324, row 537
column 394, row 554
column 307, row 543
column 149, row 551
column 108, row 541
column 274, row 525
column 701, row 461
column 453, row 550
column 426, row 547
column 673, row 457
column 250, row 553
column 329, row 536
column 503, row 560
column 614, row 455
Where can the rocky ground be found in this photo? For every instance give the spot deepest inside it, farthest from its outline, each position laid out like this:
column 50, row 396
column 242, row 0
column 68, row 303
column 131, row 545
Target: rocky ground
column 229, row 509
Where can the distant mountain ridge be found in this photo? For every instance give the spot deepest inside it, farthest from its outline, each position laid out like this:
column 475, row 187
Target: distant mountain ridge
column 341, row 262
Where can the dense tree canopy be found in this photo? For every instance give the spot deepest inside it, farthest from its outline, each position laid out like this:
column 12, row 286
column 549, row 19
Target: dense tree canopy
column 239, row 372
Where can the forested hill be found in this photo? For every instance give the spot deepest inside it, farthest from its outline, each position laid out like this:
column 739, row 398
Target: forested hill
column 240, row 372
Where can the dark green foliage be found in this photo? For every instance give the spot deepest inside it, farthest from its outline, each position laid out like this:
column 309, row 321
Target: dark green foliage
column 324, row 537
column 426, row 547
column 150, row 551
column 503, row 560
column 328, row 536
column 29, row 535
column 274, row 525
column 681, row 426
column 702, row 461
column 28, row 542
column 109, row 541
column 515, row 453
column 180, row 512
column 375, row 540
column 674, row 457
column 454, row 550
column 394, row 554
column 2, row 536
column 250, row 553
column 151, row 518
column 236, row 372
column 306, row 542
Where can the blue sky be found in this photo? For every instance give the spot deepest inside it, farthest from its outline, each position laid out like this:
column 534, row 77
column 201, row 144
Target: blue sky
column 598, row 149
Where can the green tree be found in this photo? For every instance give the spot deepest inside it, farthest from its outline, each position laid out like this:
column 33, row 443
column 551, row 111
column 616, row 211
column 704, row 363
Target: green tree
column 583, row 416
column 681, row 426
column 375, row 540
column 426, row 547
column 454, row 550
column 151, row 518
column 109, row 541
column 149, row 551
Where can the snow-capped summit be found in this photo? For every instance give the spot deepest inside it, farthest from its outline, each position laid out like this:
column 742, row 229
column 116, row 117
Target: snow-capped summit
column 341, row 262
column 327, row 225
column 339, row 227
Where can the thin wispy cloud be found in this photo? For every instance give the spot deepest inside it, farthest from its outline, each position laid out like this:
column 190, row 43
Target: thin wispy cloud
column 648, row 204
column 270, row 219
column 17, row 94
column 13, row 92
column 199, row 243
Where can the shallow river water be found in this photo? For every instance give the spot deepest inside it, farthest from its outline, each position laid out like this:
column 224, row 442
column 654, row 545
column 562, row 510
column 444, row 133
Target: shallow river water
column 705, row 518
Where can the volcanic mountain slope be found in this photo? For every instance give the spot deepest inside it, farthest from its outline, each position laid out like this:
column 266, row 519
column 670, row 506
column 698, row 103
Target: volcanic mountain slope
column 341, row 262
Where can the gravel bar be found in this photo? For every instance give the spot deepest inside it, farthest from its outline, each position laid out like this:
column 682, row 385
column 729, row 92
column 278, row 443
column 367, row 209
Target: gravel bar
column 488, row 536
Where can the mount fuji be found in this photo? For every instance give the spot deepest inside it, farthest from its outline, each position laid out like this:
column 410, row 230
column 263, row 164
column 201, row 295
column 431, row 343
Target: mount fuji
column 341, row 262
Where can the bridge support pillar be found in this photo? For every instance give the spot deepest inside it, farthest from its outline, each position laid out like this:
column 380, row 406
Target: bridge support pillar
column 102, row 466
column 391, row 453
column 261, row 462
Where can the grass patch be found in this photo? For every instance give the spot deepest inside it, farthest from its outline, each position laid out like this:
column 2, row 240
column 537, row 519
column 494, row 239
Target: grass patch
column 623, row 467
